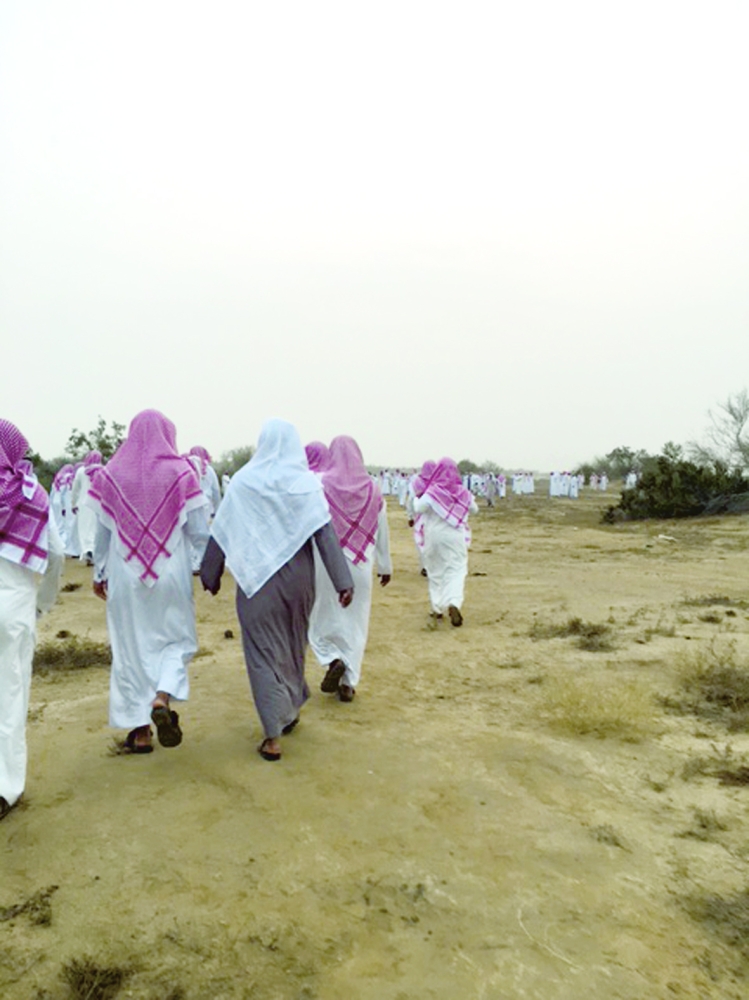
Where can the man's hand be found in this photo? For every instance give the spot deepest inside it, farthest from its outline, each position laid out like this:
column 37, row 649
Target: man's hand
column 100, row 589
column 345, row 597
column 384, row 579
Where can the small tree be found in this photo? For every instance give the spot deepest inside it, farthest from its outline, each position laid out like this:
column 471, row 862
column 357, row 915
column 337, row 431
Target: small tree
column 98, row 439
column 728, row 434
column 466, row 467
column 233, row 460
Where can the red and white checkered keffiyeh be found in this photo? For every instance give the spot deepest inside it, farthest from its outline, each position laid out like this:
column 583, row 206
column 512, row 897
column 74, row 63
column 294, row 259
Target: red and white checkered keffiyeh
column 446, row 494
column 353, row 498
column 24, row 505
column 144, row 492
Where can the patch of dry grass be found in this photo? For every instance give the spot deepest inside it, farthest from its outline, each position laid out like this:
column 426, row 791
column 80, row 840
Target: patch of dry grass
column 725, row 916
column 70, row 653
column 714, row 685
column 594, row 637
column 706, row 825
column 37, row 907
column 714, row 600
column 602, row 707
column 89, row 981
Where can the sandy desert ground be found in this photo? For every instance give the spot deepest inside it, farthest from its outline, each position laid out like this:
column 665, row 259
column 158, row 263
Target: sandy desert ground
column 500, row 814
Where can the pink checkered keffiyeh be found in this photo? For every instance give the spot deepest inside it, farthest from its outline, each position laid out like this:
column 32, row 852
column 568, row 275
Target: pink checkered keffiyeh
column 144, row 493
column 354, row 500
column 24, row 506
column 63, row 477
column 318, row 456
column 422, row 478
column 203, row 456
column 92, row 463
column 446, row 494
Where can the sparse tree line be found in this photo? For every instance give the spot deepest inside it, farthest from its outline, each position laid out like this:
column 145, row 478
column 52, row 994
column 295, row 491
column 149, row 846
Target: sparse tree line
column 107, row 439
column 683, row 481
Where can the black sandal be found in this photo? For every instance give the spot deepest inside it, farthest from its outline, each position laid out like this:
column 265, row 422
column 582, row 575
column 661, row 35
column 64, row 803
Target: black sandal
column 167, row 726
column 268, row 754
column 131, row 746
column 330, row 681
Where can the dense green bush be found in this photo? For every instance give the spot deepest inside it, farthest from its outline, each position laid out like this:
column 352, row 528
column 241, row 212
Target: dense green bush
column 673, row 487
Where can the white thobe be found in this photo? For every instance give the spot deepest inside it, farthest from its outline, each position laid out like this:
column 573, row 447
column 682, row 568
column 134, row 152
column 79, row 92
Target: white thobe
column 71, row 528
column 445, row 557
column 22, row 593
column 151, row 629
column 337, row 633
column 86, row 517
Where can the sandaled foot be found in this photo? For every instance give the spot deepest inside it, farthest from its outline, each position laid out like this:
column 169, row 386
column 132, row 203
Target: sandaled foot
column 346, row 692
column 332, row 678
column 456, row 618
column 166, row 721
column 138, row 740
column 291, row 727
column 269, row 749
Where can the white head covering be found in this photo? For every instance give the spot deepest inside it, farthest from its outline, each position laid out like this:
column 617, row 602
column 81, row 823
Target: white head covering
column 272, row 506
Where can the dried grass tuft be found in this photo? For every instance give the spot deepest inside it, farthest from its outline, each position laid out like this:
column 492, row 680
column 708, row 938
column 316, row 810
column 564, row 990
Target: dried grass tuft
column 89, row 981
column 594, row 637
column 725, row 916
column 607, row 707
column 714, row 685
column 70, row 653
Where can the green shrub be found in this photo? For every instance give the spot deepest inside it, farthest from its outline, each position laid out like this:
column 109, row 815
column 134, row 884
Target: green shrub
column 674, row 487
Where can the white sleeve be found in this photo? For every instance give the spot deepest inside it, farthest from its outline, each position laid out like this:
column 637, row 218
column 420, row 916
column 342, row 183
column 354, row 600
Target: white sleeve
column 48, row 588
column 102, row 542
column 198, row 530
column 382, row 545
column 75, row 492
column 420, row 505
column 215, row 488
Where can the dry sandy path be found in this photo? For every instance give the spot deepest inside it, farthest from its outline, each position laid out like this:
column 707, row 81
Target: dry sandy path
column 437, row 838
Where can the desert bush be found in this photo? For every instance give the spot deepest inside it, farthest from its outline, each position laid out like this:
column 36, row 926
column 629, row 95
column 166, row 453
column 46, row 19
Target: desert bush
column 607, row 707
column 672, row 487
column 714, row 686
column 70, row 653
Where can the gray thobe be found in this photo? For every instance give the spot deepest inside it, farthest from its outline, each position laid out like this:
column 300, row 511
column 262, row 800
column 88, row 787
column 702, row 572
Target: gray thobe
column 274, row 624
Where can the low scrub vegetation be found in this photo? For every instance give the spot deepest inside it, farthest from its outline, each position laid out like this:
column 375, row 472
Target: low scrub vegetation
column 70, row 652
column 590, row 636
column 606, row 707
column 726, row 916
column 673, row 487
column 714, row 685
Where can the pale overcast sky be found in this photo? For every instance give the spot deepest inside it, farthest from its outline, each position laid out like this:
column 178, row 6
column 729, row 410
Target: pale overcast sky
column 515, row 231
